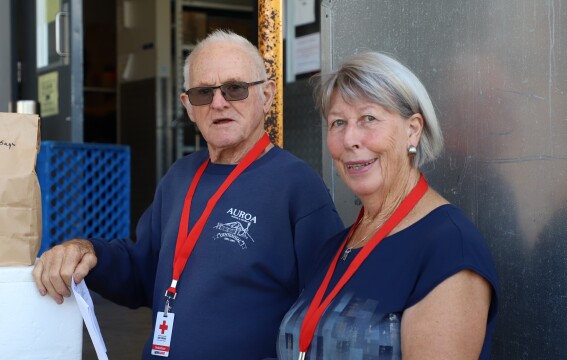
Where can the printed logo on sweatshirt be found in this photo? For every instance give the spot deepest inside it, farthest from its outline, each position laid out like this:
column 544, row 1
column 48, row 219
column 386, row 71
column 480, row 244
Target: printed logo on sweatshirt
column 236, row 231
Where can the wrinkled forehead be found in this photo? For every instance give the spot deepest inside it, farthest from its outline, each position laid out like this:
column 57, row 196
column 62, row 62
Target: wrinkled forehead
column 220, row 62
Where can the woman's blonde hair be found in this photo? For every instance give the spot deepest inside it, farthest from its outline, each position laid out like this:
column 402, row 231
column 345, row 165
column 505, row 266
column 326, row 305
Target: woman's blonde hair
column 386, row 82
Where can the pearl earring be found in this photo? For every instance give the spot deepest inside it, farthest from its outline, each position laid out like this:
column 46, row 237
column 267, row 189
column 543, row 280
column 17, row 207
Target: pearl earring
column 412, row 150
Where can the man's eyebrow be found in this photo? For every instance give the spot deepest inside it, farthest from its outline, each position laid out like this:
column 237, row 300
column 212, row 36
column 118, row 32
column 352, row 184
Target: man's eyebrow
column 207, row 84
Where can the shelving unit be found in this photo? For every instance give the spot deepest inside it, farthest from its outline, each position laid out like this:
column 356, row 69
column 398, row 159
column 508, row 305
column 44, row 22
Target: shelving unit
column 238, row 15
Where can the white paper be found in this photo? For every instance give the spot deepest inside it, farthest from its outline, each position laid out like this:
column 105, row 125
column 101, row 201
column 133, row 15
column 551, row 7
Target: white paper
column 308, row 53
column 304, row 12
column 86, row 307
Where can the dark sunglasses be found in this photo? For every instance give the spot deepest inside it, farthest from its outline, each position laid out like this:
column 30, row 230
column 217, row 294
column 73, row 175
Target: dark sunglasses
column 231, row 91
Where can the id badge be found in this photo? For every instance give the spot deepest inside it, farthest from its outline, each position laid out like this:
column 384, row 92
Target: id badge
column 162, row 334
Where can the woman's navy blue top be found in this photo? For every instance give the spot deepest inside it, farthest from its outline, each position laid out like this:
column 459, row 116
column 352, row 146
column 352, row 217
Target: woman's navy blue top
column 363, row 321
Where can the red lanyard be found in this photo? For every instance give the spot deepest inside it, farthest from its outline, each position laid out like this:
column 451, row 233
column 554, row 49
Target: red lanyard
column 318, row 305
column 186, row 240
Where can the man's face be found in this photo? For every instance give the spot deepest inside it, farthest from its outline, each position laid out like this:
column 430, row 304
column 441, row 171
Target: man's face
column 228, row 126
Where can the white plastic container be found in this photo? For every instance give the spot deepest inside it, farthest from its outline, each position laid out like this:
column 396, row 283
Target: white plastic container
column 34, row 326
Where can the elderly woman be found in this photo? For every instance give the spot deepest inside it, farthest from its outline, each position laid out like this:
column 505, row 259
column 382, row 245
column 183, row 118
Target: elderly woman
column 412, row 277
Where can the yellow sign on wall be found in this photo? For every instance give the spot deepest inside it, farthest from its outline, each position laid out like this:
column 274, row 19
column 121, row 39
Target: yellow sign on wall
column 48, row 93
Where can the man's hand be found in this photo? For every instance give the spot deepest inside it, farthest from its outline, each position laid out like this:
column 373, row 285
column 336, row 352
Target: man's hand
column 53, row 270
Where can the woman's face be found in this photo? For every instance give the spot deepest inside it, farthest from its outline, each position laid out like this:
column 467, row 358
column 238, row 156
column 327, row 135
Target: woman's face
column 369, row 145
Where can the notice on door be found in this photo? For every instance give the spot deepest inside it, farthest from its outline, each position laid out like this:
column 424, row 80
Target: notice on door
column 48, row 93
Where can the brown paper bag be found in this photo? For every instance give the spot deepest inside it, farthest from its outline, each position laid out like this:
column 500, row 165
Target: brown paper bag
column 20, row 197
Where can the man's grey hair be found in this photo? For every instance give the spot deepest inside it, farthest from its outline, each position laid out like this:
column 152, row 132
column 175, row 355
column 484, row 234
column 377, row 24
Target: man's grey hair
column 226, row 36
column 384, row 81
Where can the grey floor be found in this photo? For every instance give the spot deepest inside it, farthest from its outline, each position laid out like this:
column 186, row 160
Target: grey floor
column 124, row 330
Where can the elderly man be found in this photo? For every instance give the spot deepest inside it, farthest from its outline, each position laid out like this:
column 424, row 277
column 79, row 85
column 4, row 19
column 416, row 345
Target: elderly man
column 222, row 251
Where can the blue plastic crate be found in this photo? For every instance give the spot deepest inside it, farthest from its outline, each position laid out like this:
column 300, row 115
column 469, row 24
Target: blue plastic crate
column 85, row 191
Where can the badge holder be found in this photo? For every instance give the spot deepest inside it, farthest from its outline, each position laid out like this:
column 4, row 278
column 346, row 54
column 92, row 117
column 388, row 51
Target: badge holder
column 164, row 328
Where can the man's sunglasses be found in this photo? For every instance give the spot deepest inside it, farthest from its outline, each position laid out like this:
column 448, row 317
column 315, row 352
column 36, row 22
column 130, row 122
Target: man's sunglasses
column 231, row 91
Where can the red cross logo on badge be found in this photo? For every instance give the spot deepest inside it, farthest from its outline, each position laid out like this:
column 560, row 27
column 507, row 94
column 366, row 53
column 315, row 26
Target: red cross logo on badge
column 163, row 327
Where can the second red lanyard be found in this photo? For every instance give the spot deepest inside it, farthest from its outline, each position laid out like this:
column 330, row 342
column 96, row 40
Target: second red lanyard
column 318, row 304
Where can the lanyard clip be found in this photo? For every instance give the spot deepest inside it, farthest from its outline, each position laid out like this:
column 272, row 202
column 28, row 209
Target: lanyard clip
column 170, row 294
column 167, row 308
column 301, row 355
